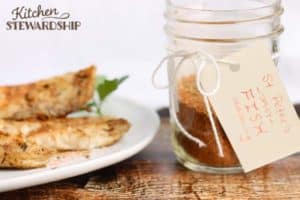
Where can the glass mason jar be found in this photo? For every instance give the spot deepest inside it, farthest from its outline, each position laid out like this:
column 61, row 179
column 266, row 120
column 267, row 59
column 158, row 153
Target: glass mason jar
column 218, row 28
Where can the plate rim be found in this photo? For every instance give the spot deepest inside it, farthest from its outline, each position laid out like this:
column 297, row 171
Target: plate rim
column 68, row 171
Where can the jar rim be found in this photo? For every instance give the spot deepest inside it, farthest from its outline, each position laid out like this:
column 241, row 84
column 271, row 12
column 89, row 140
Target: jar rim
column 279, row 12
column 279, row 31
column 275, row 3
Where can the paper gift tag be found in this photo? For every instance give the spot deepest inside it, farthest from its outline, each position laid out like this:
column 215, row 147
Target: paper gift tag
column 254, row 109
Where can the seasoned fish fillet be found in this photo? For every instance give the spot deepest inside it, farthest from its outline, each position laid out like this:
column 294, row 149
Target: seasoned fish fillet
column 29, row 144
column 55, row 97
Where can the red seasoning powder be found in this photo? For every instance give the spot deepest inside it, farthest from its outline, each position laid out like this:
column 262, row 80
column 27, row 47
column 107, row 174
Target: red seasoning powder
column 194, row 118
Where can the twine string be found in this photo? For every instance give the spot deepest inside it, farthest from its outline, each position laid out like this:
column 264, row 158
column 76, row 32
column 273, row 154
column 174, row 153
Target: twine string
column 199, row 60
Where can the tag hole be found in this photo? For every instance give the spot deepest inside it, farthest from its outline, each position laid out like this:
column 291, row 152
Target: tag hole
column 235, row 67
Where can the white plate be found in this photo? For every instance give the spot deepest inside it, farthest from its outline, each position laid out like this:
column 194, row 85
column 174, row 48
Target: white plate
column 145, row 124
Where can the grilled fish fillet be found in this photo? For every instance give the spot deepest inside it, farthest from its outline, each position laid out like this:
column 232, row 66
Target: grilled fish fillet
column 55, row 97
column 30, row 144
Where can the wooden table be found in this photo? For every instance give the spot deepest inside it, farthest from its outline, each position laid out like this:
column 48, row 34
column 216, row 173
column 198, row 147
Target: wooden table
column 155, row 174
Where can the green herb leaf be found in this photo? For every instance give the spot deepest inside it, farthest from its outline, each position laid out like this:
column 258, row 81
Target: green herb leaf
column 91, row 104
column 122, row 79
column 103, row 88
column 100, row 80
column 106, row 87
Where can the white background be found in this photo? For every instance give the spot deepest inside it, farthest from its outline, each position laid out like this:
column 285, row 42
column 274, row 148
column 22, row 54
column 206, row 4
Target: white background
column 120, row 37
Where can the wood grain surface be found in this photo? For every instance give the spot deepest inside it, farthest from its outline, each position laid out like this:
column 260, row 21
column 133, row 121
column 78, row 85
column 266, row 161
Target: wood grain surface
column 155, row 174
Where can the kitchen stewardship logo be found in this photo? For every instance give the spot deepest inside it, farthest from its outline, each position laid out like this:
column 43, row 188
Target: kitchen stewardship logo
column 25, row 18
